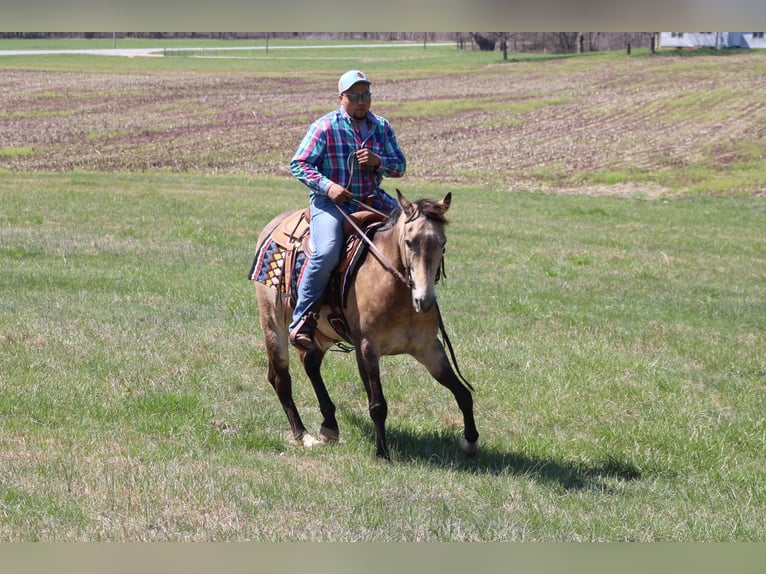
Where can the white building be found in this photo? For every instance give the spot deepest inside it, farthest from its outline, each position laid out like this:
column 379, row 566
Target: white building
column 712, row 40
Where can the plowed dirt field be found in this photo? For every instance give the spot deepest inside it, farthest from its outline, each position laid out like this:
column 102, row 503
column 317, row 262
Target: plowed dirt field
column 590, row 125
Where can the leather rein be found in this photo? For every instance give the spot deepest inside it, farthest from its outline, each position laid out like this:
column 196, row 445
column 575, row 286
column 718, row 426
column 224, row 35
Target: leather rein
column 377, row 252
column 374, row 248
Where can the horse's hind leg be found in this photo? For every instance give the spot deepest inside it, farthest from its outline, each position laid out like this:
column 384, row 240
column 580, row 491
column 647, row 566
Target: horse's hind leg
column 312, row 363
column 278, row 352
column 280, row 379
column 435, row 360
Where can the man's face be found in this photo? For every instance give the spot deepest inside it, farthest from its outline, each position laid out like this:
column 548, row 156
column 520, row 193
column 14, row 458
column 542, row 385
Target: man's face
column 357, row 110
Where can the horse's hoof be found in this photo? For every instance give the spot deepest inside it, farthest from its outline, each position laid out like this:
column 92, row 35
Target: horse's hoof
column 308, row 441
column 328, row 436
column 469, row 448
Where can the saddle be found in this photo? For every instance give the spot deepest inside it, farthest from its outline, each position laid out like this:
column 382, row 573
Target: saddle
column 281, row 259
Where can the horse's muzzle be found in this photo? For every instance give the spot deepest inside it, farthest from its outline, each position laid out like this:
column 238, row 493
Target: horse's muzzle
column 423, row 304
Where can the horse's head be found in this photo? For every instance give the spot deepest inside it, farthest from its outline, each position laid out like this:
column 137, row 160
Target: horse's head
column 422, row 246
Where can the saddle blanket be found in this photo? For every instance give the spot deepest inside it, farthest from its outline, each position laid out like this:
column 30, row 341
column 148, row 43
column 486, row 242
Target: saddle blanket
column 269, row 267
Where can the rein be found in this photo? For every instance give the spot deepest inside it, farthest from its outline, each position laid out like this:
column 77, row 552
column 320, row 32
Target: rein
column 377, row 252
column 447, row 342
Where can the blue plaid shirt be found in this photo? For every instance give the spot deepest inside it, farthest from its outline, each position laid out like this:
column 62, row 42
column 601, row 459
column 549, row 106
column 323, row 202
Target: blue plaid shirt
column 325, row 157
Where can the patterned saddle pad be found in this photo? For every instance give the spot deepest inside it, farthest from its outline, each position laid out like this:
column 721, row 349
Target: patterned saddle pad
column 280, row 258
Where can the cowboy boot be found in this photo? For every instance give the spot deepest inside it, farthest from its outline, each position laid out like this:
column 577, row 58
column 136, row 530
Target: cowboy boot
column 302, row 336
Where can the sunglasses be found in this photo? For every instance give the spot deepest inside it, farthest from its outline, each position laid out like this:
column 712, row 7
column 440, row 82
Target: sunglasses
column 366, row 96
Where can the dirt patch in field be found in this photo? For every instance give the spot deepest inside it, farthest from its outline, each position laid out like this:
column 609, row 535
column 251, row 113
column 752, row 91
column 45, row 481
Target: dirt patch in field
column 600, row 125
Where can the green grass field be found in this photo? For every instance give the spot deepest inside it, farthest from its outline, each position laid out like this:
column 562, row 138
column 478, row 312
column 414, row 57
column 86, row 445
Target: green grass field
column 616, row 347
column 608, row 307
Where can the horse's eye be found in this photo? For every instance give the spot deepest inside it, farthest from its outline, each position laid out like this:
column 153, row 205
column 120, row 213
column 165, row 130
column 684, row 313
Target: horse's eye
column 408, row 243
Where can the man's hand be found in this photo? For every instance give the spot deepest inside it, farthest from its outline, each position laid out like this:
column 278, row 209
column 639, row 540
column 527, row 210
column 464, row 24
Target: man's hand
column 366, row 158
column 338, row 193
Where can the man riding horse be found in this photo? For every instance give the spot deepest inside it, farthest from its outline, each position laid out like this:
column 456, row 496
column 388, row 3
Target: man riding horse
column 342, row 160
column 390, row 305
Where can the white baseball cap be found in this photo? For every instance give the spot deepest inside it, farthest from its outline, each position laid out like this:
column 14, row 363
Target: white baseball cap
column 350, row 78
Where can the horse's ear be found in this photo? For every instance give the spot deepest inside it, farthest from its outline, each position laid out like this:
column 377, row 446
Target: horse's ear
column 446, row 201
column 404, row 203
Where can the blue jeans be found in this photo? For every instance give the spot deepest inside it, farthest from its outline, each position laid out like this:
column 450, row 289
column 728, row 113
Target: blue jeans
column 327, row 246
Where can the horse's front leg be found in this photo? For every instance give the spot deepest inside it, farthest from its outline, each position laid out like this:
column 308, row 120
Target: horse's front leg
column 434, row 358
column 368, row 361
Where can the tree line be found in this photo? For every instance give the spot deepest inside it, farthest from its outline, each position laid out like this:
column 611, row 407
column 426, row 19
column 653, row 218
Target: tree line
column 532, row 42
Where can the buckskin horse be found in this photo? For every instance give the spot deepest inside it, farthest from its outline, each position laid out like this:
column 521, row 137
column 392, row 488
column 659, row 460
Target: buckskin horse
column 388, row 308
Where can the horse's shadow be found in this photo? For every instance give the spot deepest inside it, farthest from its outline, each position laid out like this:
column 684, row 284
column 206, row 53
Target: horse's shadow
column 440, row 449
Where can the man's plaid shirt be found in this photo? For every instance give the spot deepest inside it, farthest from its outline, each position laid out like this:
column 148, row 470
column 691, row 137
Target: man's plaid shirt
column 325, row 157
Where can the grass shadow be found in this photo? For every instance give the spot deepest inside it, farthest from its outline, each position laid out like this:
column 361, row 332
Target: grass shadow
column 440, row 449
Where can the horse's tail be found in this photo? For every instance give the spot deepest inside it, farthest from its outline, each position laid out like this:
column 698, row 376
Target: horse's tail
column 448, row 343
